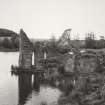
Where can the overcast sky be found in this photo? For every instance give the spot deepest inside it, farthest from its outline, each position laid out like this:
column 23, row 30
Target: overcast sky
column 44, row 18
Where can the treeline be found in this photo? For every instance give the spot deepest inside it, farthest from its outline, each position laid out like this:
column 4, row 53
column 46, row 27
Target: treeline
column 12, row 43
column 92, row 43
column 52, row 46
column 64, row 45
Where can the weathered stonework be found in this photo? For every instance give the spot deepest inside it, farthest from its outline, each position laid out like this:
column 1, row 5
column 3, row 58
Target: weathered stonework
column 81, row 63
column 69, row 65
column 25, row 49
column 87, row 64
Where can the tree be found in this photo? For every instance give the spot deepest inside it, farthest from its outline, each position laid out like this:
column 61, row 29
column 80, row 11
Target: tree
column 90, row 40
column 15, row 41
column 102, row 42
column 6, row 43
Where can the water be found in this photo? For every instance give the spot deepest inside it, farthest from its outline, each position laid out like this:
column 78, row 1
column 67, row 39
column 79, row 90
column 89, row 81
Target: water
column 20, row 90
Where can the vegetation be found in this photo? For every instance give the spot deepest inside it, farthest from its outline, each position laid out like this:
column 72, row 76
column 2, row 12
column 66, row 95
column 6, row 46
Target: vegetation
column 58, row 46
column 9, row 40
column 9, row 45
column 92, row 43
column 90, row 40
column 78, row 88
column 88, row 90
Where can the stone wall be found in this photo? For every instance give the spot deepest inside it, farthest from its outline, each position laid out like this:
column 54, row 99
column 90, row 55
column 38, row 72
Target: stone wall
column 83, row 63
column 87, row 64
column 69, row 64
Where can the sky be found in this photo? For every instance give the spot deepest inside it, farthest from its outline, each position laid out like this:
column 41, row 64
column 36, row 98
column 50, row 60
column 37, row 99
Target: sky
column 45, row 18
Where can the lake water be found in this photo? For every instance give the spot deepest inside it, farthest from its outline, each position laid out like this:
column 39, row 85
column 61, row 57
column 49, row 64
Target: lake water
column 19, row 90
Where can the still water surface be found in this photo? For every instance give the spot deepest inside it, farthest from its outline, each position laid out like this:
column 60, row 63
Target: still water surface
column 19, row 90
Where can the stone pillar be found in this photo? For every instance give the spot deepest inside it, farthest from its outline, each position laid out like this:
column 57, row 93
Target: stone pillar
column 25, row 50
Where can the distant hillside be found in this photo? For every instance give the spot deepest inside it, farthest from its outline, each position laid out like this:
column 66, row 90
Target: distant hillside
column 9, row 40
column 6, row 32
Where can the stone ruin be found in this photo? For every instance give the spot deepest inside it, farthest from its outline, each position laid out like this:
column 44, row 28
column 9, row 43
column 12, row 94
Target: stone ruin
column 25, row 51
column 85, row 62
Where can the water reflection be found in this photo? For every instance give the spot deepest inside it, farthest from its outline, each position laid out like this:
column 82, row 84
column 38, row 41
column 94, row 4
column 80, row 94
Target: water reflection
column 25, row 87
column 22, row 89
column 34, row 92
column 36, row 83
